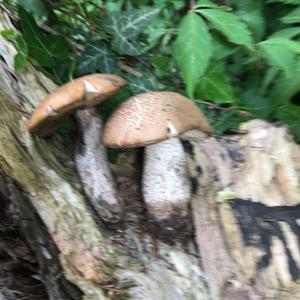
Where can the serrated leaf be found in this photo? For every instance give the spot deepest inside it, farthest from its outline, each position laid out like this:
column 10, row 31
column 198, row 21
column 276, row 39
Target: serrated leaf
column 292, row 17
column 43, row 47
column 285, row 88
column 230, row 25
column 251, row 12
column 288, row 33
column 285, row 1
column 193, row 50
column 215, row 86
column 279, row 52
column 125, row 26
column 221, row 47
column 291, row 45
column 147, row 83
column 96, row 58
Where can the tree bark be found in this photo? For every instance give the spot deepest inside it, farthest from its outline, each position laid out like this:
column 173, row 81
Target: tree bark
column 241, row 240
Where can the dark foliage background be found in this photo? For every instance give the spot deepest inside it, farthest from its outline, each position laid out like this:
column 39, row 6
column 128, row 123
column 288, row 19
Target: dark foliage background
column 236, row 59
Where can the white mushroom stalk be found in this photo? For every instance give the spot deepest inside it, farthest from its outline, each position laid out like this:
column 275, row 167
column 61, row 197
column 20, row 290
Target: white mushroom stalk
column 82, row 94
column 154, row 120
column 93, row 168
column 166, row 186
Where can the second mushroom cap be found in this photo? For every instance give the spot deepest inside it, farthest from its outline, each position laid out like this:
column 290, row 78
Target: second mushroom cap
column 148, row 118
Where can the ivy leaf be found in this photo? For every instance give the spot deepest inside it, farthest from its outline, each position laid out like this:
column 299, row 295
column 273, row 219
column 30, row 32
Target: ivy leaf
column 230, row 25
column 44, row 48
column 147, row 83
column 125, row 46
column 125, row 26
column 193, row 50
column 292, row 17
column 215, row 86
column 279, row 53
column 96, row 58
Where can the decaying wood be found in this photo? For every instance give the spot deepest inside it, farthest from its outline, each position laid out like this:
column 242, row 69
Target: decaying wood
column 244, row 209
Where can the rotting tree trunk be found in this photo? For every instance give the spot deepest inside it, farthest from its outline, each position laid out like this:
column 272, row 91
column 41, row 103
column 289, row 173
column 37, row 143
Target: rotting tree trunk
column 244, row 211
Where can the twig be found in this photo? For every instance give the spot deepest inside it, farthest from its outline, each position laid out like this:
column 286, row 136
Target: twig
column 129, row 70
column 216, row 106
column 75, row 46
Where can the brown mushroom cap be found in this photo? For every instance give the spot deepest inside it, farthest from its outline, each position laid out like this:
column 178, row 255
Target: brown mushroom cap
column 148, row 118
column 82, row 92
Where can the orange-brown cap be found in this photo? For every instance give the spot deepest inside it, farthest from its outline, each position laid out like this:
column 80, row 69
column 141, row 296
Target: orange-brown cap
column 148, row 118
column 85, row 91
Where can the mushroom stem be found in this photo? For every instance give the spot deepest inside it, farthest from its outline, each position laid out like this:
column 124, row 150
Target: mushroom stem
column 93, row 169
column 166, row 186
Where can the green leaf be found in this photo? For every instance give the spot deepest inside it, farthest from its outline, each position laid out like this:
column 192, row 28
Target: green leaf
column 215, row 86
column 279, row 52
column 292, row 17
column 21, row 58
column 147, row 83
column 288, row 33
column 20, row 61
column 161, row 64
column 253, row 102
column 44, row 48
column 230, row 25
column 9, row 34
column 193, row 50
column 21, row 44
column 36, row 7
column 285, row 88
column 289, row 114
column 125, row 46
column 251, row 12
column 224, row 121
column 221, row 47
column 125, row 26
column 288, row 44
column 96, row 58
column 271, row 74
column 285, row 1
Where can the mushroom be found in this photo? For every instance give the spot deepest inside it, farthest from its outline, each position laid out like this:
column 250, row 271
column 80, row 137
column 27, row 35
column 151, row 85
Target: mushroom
column 154, row 120
column 82, row 94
